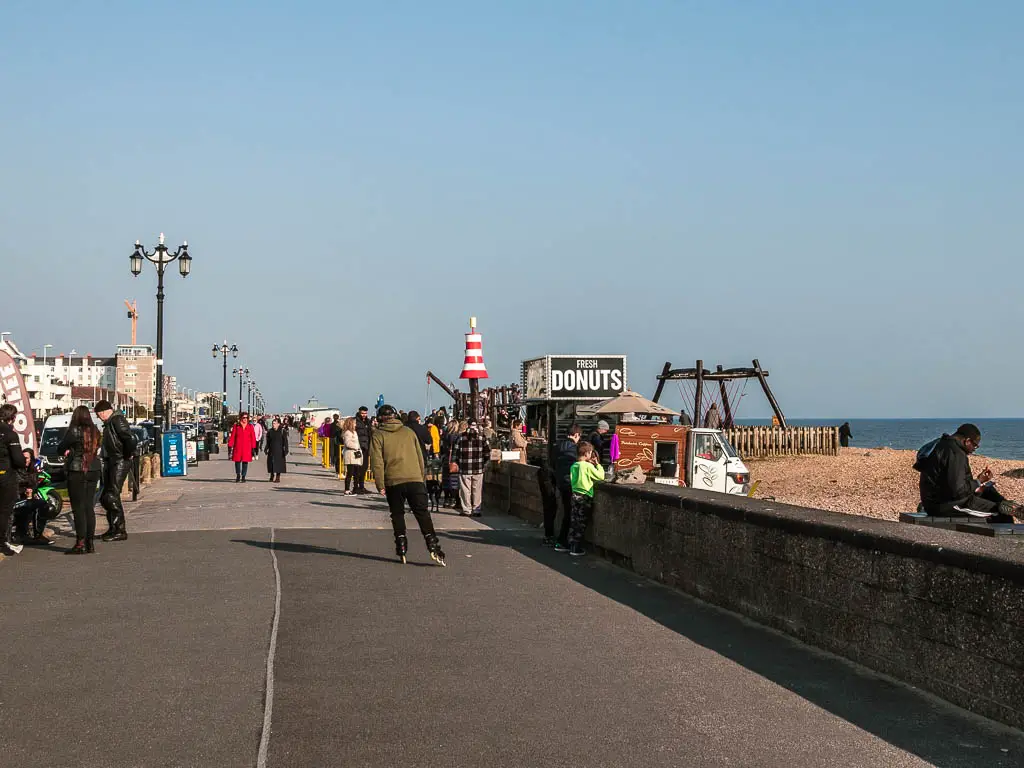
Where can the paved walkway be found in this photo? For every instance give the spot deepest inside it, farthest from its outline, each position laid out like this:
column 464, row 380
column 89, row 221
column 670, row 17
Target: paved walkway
column 154, row 652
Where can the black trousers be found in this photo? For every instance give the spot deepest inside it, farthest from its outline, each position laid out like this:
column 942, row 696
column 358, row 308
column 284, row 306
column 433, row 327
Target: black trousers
column 416, row 495
column 30, row 516
column 565, row 502
column 114, row 475
column 986, row 501
column 8, row 498
column 350, row 474
column 82, row 493
column 360, row 475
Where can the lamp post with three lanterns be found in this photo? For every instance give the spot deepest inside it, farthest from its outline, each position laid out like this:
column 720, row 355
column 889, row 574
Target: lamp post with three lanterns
column 161, row 257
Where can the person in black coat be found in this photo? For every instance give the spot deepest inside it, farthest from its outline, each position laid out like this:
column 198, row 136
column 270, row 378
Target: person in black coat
column 845, row 434
column 364, row 430
column 277, row 449
column 11, row 460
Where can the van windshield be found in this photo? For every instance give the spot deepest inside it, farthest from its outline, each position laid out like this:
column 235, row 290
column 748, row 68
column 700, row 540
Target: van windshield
column 50, row 440
column 727, row 446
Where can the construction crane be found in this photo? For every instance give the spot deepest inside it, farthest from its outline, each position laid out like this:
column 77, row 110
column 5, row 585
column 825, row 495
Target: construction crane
column 133, row 313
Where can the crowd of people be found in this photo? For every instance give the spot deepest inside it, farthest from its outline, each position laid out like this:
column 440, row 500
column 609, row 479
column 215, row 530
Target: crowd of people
column 94, row 460
column 248, row 439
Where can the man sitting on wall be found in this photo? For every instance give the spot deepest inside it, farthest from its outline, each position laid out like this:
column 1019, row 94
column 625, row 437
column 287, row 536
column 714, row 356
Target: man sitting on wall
column 947, row 487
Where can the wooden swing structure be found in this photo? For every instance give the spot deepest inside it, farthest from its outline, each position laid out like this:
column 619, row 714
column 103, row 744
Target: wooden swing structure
column 729, row 382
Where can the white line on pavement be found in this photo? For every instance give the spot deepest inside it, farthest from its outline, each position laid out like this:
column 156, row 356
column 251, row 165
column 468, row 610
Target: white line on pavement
column 268, row 707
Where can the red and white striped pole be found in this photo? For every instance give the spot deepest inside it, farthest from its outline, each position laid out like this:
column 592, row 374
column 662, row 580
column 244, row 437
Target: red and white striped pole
column 473, row 367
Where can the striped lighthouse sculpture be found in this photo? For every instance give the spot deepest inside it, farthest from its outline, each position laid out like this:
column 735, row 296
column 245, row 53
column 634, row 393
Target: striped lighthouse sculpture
column 473, row 368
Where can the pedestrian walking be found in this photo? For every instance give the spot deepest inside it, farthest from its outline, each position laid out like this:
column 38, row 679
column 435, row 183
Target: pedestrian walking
column 585, row 472
column 242, row 444
column 118, row 445
column 472, row 456
column 277, row 450
column 336, row 442
column 11, row 460
column 258, row 431
column 364, row 429
column 352, row 453
column 845, row 435
column 449, row 470
column 80, row 448
column 397, row 463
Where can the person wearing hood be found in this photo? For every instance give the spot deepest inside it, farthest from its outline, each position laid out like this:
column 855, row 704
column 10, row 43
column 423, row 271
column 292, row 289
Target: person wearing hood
column 396, row 459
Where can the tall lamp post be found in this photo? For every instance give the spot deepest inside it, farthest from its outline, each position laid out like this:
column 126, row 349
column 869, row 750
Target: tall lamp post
column 224, row 351
column 241, row 373
column 161, row 257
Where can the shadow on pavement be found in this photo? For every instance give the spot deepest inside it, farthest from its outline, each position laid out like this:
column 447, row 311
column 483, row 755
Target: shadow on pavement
column 310, row 549
column 900, row 715
column 314, row 491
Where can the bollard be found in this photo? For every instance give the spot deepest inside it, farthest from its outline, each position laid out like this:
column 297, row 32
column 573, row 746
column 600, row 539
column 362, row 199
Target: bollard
column 155, row 465
column 316, row 445
column 325, row 452
column 145, row 470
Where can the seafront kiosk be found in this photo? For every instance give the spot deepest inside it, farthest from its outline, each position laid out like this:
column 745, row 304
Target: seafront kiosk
column 561, row 390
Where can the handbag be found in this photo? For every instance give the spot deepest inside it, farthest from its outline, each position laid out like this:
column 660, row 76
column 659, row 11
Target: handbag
column 358, row 453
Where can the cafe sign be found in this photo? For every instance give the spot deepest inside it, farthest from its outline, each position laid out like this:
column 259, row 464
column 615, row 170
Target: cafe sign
column 574, row 377
column 14, row 391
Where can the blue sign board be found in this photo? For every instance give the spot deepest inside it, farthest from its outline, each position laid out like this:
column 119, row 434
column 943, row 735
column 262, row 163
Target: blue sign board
column 173, row 462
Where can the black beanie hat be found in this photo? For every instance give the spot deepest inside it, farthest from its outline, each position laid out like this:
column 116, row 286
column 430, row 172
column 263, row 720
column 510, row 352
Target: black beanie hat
column 103, row 405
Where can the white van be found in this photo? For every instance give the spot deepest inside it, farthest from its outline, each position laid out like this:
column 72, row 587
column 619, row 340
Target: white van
column 54, row 429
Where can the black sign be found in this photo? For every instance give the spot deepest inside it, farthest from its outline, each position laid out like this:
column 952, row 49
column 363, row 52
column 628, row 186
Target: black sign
column 580, row 377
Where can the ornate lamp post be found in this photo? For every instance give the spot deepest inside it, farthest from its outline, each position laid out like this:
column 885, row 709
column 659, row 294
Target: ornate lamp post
column 161, row 257
column 224, row 351
column 241, row 373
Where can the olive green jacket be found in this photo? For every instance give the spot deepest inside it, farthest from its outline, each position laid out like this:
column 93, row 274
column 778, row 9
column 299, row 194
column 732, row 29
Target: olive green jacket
column 395, row 456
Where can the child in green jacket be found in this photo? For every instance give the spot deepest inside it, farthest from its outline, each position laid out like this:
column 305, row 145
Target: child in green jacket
column 584, row 473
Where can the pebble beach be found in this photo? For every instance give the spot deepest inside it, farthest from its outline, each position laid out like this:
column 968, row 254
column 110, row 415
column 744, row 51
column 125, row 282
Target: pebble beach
column 876, row 482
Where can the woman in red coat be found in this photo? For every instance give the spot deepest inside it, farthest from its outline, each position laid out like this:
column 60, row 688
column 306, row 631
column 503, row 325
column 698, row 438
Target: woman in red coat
column 242, row 444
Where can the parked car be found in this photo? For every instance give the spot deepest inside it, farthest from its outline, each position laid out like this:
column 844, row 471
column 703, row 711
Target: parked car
column 54, row 429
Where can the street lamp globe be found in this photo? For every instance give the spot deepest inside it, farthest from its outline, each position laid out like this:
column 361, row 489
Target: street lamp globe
column 184, row 261
column 234, row 350
column 215, row 351
column 136, row 259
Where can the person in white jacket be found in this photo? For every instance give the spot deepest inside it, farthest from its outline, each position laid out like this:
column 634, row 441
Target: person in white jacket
column 351, row 453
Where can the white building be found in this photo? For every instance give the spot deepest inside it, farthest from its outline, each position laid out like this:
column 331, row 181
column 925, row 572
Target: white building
column 46, row 392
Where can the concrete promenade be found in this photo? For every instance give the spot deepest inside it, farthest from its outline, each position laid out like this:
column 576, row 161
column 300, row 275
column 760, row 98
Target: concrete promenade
column 158, row 652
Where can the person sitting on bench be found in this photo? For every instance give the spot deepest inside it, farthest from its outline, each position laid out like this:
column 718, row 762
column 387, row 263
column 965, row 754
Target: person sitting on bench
column 947, row 487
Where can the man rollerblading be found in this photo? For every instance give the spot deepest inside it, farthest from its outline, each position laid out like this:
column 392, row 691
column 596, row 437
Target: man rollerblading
column 396, row 459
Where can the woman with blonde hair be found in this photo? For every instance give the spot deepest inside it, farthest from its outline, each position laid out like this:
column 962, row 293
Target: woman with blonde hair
column 351, row 452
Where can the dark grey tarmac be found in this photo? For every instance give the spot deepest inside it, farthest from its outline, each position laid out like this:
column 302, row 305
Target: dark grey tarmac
column 154, row 651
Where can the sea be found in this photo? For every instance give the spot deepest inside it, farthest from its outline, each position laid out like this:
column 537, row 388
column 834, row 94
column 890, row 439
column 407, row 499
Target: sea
column 1000, row 438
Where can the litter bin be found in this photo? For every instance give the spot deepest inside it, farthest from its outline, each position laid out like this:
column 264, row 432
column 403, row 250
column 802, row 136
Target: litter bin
column 212, row 443
column 668, row 468
column 202, row 453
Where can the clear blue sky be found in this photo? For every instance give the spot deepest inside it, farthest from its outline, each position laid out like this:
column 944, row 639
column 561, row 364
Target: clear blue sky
column 834, row 188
